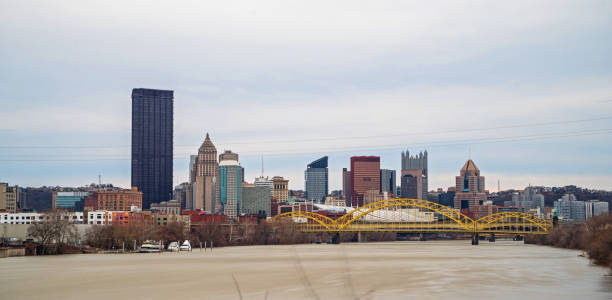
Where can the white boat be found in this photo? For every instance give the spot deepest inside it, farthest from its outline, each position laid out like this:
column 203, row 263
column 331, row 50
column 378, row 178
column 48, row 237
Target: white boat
column 173, row 247
column 151, row 246
column 186, row 246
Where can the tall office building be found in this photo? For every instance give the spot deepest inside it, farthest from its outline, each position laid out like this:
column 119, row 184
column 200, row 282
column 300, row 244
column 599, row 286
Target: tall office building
column 416, row 162
column 470, row 187
column 280, row 189
column 412, row 184
column 152, row 138
column 206, row 177
column 316, row 180
column 255, row 199
column 387, row 181
column 191, row 187
column 346, row 186
column 180, row 194
column 365, row 175
column 264, row 181
column 230, row 177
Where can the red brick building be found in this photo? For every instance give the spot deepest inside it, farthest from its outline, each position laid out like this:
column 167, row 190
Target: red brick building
column 365, row 175
column 197, row 217
column 121, row 200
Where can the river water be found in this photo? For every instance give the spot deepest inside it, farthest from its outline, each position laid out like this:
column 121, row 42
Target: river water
column 397, row 270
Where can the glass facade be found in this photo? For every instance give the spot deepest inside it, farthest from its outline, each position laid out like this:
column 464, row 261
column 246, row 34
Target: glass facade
column 256, row 199
column 316, row 180
column 152, row 138
column 230, row 180
column 70, row 200
column 387, row 181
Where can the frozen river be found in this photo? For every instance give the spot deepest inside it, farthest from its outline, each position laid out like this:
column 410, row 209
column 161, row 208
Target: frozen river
column 398, row 270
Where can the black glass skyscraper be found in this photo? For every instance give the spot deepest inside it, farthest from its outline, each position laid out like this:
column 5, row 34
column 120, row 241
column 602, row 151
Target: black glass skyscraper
column 152, row 137
column 316, row 176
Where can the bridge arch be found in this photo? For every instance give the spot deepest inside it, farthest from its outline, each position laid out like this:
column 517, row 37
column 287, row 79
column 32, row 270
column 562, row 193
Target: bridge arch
column 322, row 220
column 512, row 219
column 463, row 222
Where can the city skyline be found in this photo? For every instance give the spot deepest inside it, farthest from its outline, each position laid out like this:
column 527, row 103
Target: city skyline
column 306, row 149
column 544, row 86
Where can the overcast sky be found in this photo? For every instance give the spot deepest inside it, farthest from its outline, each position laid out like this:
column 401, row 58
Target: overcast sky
column 526, row 85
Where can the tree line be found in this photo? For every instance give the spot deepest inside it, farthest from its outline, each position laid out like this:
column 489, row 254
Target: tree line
column 594, row 237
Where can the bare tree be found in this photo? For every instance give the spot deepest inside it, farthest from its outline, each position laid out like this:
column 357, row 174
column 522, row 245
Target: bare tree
column 53, row 230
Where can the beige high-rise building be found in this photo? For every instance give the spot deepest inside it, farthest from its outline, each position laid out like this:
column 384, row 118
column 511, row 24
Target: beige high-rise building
column 8, row 197
column 206, row 177
column 280, row 189
column 470, row 187
column 372, row 195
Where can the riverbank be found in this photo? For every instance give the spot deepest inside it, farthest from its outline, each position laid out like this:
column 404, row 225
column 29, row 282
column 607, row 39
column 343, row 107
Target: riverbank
column 385, row 270
column 594, row 237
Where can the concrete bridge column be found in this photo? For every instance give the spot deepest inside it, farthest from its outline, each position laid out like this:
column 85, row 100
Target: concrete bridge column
column 475, row 239
column 336, row 238
column 361, row 237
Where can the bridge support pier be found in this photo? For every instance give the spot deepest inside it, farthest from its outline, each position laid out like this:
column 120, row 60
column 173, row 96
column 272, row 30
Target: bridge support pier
column 361, row 237
column 336, row 238
column 492, row 238
column 475, row 239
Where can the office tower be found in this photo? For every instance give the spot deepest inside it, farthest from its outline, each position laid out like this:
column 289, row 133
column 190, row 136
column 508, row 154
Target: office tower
column 447, row 198
column 191, row 188
column 280, row 190
column 229, row 180
column 206, row 177
column 152, row 138
column 180, row 194
column 412, row 184
column 387, row 181
column 255, row 199
column 8, row 197
column 346, row 186
column 417, row 162
column 264, row 181
column 470, row 187
column 365, row 175
column 316, row 181
column 373, row 195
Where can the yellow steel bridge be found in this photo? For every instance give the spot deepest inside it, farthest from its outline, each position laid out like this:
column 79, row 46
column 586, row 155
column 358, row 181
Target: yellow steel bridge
column 415, row 215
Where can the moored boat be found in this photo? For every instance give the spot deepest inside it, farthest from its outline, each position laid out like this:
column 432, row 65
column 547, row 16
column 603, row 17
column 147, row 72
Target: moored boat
column 151, row 246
